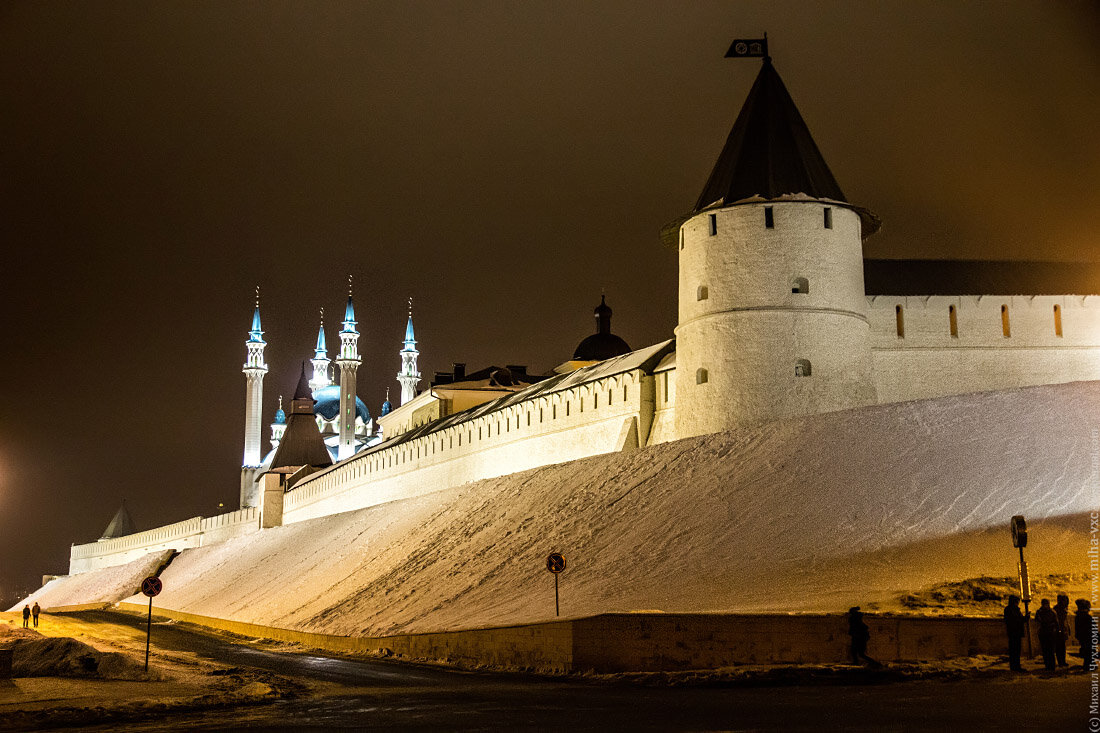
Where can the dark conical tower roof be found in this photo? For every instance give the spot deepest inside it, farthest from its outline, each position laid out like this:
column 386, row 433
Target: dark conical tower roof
column 302, row 444
column 769, row 151
column 121, row 525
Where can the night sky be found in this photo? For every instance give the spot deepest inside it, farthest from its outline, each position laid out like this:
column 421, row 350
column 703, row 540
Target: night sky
column 501, row 163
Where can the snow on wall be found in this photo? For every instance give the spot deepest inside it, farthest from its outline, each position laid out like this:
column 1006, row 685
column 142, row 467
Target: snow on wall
column 812, row 513
column 108, row 585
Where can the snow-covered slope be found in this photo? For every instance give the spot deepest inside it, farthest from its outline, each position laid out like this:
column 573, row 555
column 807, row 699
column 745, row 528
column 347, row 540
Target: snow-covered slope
column 109, row 585
column 817, row 513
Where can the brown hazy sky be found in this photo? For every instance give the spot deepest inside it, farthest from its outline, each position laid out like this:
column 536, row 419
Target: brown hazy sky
column 499, row 162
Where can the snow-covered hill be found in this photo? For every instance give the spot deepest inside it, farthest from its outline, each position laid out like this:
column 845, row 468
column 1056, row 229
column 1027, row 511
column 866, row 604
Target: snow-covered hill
column 816, row 513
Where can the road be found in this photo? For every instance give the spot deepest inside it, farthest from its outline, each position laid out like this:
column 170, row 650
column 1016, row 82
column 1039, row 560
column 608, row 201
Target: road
column 392, row 695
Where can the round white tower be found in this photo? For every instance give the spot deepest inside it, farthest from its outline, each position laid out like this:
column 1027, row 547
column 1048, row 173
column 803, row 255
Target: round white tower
column 772, row 311
column 348, row 361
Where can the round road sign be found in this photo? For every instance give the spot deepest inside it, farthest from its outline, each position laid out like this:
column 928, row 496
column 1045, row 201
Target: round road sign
column 151, row 586
column 1019, row 531
column 555, row 562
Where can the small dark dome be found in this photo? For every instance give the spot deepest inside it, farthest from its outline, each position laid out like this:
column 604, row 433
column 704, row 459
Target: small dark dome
column 603, row 344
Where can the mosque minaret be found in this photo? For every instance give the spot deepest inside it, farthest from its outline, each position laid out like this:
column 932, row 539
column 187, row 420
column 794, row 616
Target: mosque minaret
column 409, row 377
column 254, row 371
column 348, row 361
column 320, row 360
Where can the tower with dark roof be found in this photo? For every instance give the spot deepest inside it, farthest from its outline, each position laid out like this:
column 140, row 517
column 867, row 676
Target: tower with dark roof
column 772, row 313
column 602, row 344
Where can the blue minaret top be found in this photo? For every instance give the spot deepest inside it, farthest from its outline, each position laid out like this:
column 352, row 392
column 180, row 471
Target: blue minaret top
column 321, row 352
column 349, row 317
column 256, row 335
column 280, row 415
column 410, row 339
column 387, row 408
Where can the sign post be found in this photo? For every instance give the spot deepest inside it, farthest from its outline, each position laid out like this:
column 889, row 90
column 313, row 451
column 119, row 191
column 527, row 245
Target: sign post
column 1019, row 540
column 555, row 563
column 151, row 586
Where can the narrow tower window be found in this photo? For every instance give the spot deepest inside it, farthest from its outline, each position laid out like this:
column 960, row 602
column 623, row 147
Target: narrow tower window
column 802, row 368
column 828, row 217
column 713, row 224
column 1005, row 327
column 700, row 376
column 899, row 315
column 1058, row 321
column 769, row 218
column 800, row 285
column 702, row 293
column 953, row 317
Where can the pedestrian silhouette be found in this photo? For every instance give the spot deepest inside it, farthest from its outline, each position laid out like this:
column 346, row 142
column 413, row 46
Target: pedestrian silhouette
column 860, row 634
column 1061, row 610
column 34, row 612
column 1014, row 628
column 1082, row 629
column 1047, row 620
column 26, row 615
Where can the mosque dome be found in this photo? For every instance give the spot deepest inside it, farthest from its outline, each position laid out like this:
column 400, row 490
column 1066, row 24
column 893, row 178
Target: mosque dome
column 603, row 344
column 327, row 404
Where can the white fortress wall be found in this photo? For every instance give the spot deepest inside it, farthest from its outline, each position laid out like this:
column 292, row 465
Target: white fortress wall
column 664, row 415
column 194, row 532
column 590, row 413
column 933, row 346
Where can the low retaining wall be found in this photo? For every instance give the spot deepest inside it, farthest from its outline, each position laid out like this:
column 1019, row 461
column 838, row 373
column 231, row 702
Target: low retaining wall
column 652, row 642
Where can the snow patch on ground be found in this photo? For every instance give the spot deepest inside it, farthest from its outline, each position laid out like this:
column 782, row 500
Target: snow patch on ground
column 109, row 585
column 809, row 514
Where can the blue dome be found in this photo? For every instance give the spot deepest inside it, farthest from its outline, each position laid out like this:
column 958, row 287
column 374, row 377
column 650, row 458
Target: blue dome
column 386, row 408
column 328, row 403
column 280, row 417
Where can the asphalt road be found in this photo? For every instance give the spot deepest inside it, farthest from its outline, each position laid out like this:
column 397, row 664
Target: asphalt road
column 393, row 695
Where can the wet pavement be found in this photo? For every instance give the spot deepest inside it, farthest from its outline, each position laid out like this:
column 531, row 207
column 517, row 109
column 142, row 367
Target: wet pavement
column 398, row 696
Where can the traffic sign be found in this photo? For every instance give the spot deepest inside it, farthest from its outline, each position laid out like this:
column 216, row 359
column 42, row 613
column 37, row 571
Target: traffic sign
column 555, row 562
column 151, row 586
column 1019, row 531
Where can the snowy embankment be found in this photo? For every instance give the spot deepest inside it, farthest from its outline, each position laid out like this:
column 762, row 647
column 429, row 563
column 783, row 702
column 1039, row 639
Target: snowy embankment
column 109, row 585
column 815, row 513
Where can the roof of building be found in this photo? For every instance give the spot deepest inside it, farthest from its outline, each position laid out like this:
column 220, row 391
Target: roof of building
column 321, row 351
column 769, row 151
column 980, row 277
column 302, row 444
column 603, row 344
column 327, row 404
column 644, row 359
column 120, row 525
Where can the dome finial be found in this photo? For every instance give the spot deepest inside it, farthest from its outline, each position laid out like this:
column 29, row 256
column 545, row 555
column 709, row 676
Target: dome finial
column 322, row 317
column 257, row 296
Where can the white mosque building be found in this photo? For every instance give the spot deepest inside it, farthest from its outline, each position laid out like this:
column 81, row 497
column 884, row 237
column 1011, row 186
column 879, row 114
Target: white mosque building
column 774, row 322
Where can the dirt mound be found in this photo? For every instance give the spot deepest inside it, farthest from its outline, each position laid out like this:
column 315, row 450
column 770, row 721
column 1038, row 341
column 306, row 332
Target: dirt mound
column 34, row 655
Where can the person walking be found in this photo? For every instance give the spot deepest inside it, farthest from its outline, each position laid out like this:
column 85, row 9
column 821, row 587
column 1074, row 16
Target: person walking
column 26, row 615
column 1047, row 621
column 34, row 612
column 1082, row 629
column 1061, row 610
column 1014, row 628
column 861, row 634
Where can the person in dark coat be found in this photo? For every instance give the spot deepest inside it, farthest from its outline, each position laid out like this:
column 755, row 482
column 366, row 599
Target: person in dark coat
column 1047, row 621
column 1014, row 627
column 1082, row 629
column 34, row 613
column 860, row 634
column 26, row 615
column 1061, row 610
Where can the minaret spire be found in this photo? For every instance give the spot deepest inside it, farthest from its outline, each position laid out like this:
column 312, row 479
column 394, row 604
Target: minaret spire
column 348, row 361
column 409, row 377
column 320, row 359
column 254, row 371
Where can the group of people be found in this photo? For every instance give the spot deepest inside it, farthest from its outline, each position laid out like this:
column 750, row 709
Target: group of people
column 1053, row 631
column 28, row 612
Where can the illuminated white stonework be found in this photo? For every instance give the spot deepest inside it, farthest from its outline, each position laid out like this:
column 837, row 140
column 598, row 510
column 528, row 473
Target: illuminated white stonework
column 348, row 361
column 409, row 376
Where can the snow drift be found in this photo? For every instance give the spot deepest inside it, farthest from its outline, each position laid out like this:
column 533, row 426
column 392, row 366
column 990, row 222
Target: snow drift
column 815, row 513
column 108, row 585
